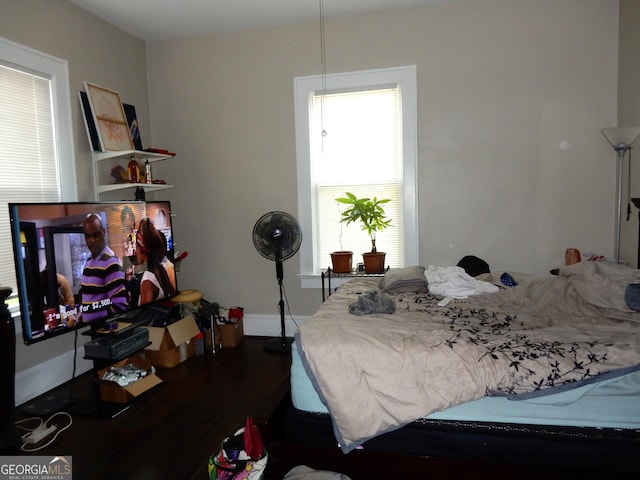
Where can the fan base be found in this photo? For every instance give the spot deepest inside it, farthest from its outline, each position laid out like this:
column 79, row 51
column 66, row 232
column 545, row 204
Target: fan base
column 276, row 345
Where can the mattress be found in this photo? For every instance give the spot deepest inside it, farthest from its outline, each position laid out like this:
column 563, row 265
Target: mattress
column 611, row 403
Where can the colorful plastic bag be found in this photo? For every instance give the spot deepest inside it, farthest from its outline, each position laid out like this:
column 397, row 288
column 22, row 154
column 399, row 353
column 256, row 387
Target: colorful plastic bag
column 241, row 456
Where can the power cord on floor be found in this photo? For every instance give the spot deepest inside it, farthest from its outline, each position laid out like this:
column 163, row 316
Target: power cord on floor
column 44, row 431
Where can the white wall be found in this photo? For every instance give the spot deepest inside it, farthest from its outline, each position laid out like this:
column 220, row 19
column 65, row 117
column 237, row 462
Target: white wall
column 629, row 113
column 512, row 165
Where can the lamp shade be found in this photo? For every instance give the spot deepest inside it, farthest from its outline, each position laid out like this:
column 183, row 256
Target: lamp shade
column 621, row 136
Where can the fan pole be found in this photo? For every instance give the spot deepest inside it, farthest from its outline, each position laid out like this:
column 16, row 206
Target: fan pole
column 277, row 236
column 282, row 344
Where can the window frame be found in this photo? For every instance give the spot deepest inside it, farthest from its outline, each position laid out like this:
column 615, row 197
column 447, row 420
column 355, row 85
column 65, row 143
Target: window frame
column 56, row 70
column 304, row 87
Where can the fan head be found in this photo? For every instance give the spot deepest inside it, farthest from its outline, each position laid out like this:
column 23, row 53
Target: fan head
column 277, row 236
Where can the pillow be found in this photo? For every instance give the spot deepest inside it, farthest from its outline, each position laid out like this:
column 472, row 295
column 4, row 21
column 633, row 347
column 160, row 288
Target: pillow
column 405, row 280
column 632, row 296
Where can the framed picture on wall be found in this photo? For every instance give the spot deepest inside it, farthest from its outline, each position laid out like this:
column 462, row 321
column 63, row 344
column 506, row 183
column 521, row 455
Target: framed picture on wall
column 109, row 117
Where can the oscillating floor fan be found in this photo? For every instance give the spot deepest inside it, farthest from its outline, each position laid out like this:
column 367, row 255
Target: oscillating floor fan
column 277, row 237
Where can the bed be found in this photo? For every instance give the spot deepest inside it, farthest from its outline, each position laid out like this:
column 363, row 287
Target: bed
column 545, row 371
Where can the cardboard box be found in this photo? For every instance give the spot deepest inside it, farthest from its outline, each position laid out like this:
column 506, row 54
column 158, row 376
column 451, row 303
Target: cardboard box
column 110, row 391
column 230, row 334
column 172, row 345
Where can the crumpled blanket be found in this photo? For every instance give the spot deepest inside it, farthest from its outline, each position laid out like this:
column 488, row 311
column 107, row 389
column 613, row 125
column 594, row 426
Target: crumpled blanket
column 455, row 282
column 302, row 472
column 373, row 301
column 378, row 372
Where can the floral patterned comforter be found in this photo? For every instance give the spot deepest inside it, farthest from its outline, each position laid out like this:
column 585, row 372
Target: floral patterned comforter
column 379, row 372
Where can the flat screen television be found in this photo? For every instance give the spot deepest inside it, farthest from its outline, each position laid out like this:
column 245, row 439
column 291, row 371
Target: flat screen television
column 82, row 264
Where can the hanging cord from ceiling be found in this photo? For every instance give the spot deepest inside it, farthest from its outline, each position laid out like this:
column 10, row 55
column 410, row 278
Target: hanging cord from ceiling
column 323, row 64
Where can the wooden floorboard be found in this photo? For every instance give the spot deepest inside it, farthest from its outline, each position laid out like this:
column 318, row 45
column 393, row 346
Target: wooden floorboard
column 172, row 430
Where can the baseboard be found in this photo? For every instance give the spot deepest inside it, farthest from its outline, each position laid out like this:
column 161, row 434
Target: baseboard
column 43, row 377
column 269, row 325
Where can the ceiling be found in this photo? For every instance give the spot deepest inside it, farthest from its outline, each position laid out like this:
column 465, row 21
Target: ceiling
column 163, row 19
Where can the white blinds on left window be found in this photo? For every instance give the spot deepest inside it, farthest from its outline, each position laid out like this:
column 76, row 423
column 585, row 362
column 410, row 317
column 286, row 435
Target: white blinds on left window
column 27, row 152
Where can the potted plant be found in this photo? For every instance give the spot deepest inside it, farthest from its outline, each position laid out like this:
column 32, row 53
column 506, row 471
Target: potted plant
column 370, row 213
column 342, row 261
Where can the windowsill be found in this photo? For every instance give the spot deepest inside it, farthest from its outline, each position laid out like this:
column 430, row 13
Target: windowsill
column 336, row 280
column 310, row 280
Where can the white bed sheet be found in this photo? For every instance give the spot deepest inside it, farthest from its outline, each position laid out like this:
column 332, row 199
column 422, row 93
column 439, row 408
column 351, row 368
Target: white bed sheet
column 612, row 403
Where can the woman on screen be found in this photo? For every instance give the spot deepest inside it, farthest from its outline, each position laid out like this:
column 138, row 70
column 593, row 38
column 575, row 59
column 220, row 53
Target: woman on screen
column 155, row 283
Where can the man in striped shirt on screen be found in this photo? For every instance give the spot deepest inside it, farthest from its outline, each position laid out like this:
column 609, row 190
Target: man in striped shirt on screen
column 103, row 286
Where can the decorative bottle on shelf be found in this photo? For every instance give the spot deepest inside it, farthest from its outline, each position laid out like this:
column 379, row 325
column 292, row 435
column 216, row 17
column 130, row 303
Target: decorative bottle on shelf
column 134, row 170
column 147, row 172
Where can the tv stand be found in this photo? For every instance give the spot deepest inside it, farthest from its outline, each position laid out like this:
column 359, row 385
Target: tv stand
column 93, row 405
column 88, row 404
column 48, row 404
column 62, row 399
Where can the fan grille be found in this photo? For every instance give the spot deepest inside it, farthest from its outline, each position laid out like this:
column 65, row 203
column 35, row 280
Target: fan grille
column 277, row 236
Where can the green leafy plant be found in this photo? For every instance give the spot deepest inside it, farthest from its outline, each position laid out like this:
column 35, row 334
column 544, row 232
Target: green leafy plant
column 368, row 212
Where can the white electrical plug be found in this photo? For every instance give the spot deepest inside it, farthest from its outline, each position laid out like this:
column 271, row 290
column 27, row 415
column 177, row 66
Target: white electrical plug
column 40, row 433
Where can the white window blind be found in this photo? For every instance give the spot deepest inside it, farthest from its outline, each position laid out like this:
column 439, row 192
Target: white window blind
column 36, row 142
column 356, row 147
column 369, row 149
column 27, row 152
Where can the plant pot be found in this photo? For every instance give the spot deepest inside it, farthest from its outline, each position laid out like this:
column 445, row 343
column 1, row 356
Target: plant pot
column 374, row 262
column 341, row 261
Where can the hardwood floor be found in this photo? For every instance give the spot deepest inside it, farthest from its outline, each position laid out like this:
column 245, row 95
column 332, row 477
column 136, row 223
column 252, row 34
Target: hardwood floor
column 172, row 430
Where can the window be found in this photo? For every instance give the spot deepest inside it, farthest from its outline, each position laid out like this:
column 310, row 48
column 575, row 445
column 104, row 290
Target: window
column 36, row 151
column 356, row 132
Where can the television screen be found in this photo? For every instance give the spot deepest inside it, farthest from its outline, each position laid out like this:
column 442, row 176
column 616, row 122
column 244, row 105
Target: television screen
column 80, row 264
